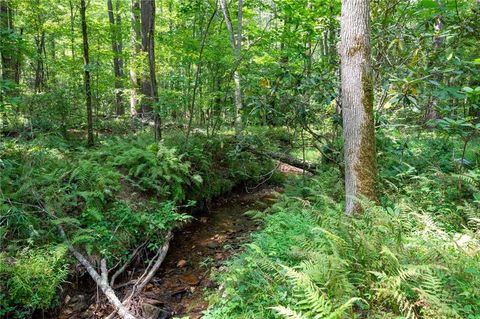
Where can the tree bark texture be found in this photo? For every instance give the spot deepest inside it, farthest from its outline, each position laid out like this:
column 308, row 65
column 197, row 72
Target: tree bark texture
column 236, row 42
column 135, row 39
column 357, row 104
column 149, row 82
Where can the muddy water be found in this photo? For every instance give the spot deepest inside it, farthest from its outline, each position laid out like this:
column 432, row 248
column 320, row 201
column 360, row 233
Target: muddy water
column 213, row 236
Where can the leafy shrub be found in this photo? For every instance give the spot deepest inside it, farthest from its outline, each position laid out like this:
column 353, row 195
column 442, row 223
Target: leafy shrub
column 32, row 278
column 109, row 200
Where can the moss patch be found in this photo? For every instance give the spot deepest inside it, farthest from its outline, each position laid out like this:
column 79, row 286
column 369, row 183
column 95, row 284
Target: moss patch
column 366, row 166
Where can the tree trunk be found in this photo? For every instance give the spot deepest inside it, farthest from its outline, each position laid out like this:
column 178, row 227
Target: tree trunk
column 438, row 39
column 135, row 42
column 357, row 104
column 285, row 158
column 236, row 42
column 10, row 57
column 115, row 33
column 149, row 82
column 86, row 62
column 40, row 65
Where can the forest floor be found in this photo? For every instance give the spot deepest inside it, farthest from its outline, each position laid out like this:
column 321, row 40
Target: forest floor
column 197, row 250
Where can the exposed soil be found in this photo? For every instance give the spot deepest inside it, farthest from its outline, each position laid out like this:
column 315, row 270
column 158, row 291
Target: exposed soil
column 179, row 287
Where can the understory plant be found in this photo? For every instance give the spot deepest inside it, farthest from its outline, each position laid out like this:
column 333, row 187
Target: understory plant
column 123, row 194
column 406, row 258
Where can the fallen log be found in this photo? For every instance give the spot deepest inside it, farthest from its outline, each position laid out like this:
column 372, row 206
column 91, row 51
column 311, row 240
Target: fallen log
column 284, row 158
column 100, row 279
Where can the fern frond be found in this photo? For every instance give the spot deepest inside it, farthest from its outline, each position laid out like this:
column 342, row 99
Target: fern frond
column 288, row 313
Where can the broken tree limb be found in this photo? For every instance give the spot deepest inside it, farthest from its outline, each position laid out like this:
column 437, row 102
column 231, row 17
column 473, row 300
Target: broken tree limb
column 100, row 280
column 127, row 263
column 147, row 275
column 284, row 158
column 160, row 257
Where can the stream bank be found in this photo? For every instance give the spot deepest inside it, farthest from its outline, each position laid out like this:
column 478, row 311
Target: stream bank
column 178, row 288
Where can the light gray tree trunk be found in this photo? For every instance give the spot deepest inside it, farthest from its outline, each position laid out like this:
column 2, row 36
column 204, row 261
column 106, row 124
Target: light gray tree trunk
column 236, row 42
column 357, row 104
column 135, row 41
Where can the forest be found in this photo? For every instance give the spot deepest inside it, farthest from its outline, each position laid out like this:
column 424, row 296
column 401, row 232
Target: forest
column 251, row 159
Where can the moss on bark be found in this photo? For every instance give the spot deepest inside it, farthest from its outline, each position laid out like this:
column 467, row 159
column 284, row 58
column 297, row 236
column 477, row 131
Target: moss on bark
column 366, row 166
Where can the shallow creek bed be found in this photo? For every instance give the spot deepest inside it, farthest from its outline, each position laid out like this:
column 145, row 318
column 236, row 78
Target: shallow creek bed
column 202, row 246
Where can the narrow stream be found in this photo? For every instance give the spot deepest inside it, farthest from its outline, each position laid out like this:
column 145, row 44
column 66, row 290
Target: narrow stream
column 179, row 286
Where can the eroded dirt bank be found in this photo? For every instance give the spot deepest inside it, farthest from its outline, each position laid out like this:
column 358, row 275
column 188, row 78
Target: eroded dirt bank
column 179, row 286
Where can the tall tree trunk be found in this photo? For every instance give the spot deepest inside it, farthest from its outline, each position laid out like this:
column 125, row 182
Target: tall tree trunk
column 10, row 57
column 72, row 29
column 135, row 39
column 438, row 39
column 357, row 104
column 39, row 82
column 236, row 42
column 115, row 33
column 86, row 62
column 149, row 82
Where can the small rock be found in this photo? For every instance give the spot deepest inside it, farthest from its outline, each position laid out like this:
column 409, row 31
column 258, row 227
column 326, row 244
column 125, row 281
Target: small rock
column 182, row 263
column 212, row 245
column 152, row 312
column 190, row 279
column 203, row 220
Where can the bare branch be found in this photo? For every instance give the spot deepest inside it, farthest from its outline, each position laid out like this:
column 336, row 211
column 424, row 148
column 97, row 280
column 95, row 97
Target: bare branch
column 101, row 281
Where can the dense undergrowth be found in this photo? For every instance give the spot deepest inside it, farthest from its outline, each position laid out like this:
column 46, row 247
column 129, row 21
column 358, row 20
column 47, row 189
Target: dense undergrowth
column 416, row 254
column 111, row 199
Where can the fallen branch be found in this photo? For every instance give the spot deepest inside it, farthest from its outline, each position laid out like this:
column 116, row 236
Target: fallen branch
column 284, row 158
column 159, row 258
column 100, row 280
column 125, row 265
column 147, row 275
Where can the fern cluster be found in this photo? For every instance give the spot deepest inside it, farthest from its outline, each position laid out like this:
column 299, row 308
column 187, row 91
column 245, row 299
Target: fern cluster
column 311, row 261
column 109, row 200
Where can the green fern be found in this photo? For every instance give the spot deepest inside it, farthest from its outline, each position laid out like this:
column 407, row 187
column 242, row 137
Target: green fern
column 312, row 302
